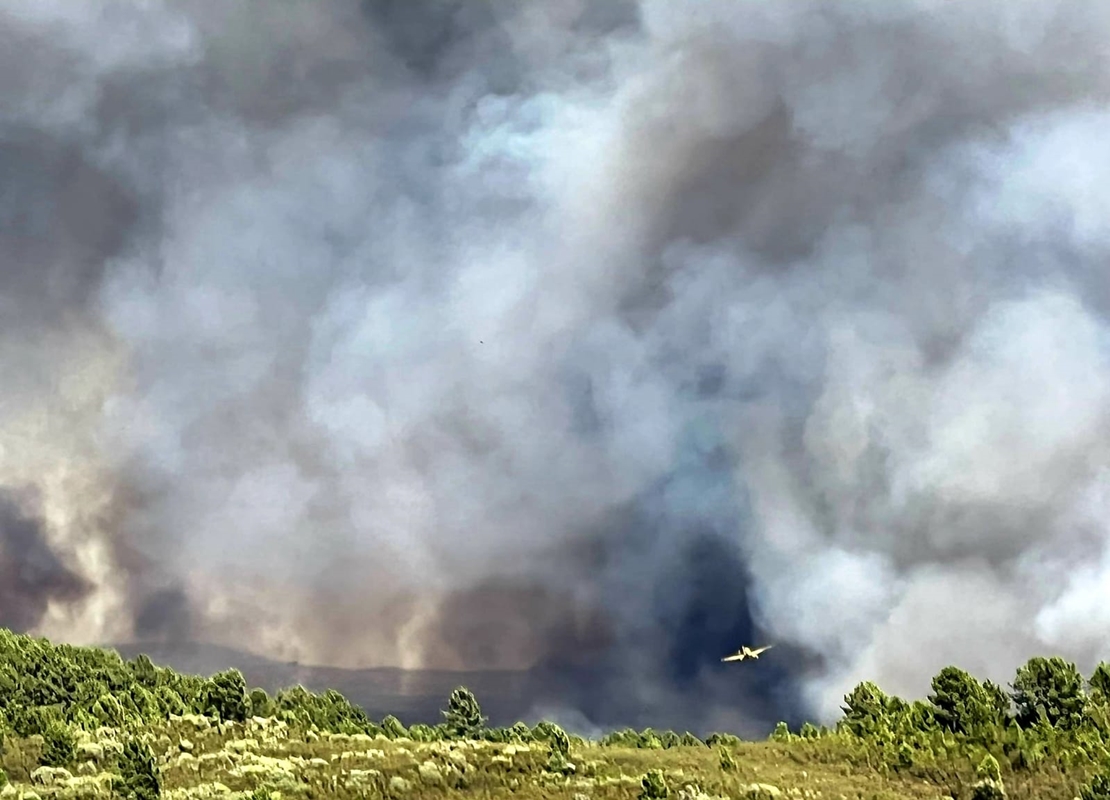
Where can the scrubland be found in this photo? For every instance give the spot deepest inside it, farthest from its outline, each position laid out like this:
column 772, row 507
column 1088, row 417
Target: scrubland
column 83, row 723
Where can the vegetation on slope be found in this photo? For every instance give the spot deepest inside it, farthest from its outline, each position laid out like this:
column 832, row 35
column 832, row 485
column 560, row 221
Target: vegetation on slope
column 83, row 723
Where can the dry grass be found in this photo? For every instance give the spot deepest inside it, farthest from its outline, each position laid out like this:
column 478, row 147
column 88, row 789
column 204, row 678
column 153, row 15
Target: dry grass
column 233, row 762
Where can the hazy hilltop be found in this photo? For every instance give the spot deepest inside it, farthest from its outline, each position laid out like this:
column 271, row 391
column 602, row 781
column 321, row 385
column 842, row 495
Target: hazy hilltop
column 414, row 695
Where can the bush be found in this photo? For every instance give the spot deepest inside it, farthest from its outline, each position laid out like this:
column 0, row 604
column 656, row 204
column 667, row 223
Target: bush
column 520, row 732
column 865, row 709
column 989, row 786
column 59, row 745
column 392, row 727
column 726, row 739
column 654, row 786
column 1100, row 683
column 261, row 705
column 961, row 704
column 725, row 759
column 463, row 716
column 560, row 742
column 139, row 778
column 988, row 769
column 987, row 790
column 544, row 730
column 1049, row 690
column 1097, row 788
column 225, row 696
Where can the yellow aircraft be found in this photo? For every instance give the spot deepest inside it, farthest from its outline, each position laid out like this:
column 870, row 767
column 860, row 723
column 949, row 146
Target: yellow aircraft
column 746, row 652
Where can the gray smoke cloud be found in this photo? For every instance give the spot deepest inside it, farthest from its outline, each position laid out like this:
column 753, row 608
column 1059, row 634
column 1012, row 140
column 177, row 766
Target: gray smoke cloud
column 598, row 337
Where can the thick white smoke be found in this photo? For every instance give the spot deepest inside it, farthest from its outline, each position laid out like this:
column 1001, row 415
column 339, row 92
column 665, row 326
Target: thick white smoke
column 387, row 327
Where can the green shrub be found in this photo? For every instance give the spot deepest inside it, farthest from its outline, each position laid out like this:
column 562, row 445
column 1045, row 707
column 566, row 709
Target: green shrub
column 419, row 732
column 690, row 740
column 463, row 716
column 544, row 730
column 261, row 704
column 1100, row 681
column 59, row 745
column 987, row 790
column 560, row 742
column 726, row 739
column 520, row 732
column 961, row 704
column 725, row 759
column 989, row 769
column 1097, row 788
column 139, row 776
column 989, row 785
column 654, row 786
column 866, row 709
column 392, row 727
column 1049, row 690
column 622, row 738
column 225, row 696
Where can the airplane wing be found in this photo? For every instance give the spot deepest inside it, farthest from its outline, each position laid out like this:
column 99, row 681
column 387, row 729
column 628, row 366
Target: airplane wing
column 737, row 657
column 763, row 649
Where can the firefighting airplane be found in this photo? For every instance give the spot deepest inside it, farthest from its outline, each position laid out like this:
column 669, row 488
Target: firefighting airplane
column 746, row 652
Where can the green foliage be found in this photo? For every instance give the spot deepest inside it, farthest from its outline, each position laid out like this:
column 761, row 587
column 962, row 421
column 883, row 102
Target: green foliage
column 987, row 790
column 654, row 786
column 727, row 762
column 1097, row 788
column 520, row 732
column 559, row 741
column 544, row 730
column 1050, row 691
column 1099, row 683
column 622, row 738
column 690, row 740
column 463, row 716
column 59, row 745
column 989, row 786
column 726, row 739
column 426, row 733
column 225, row 696
column 961, row 704
column 866, row 709
column 781, row 733
column 989, row 769
column 139, row 775
column 558, row 754
column 330, row 712
column 261, row 704
column 392, row 727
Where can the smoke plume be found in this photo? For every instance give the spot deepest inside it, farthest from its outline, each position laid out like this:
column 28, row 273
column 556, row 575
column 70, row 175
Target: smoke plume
column 593, row 336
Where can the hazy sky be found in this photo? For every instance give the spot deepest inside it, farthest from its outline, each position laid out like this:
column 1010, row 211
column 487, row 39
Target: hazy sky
column 606, row 336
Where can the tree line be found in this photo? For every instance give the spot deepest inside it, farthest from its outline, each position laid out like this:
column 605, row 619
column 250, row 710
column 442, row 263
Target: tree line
column 1049, row 716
